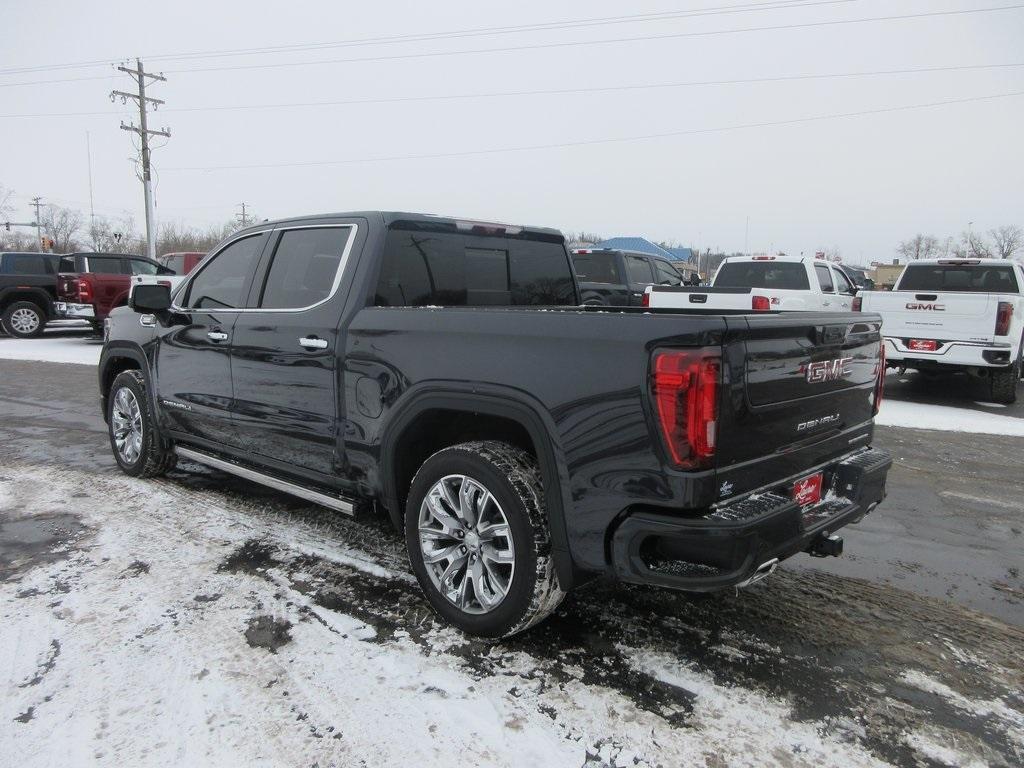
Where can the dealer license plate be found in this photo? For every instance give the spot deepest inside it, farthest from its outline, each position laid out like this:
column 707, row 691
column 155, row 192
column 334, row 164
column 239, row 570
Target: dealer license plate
column 808, row 490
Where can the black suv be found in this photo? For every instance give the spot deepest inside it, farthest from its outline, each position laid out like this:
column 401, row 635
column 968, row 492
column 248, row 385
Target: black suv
column 28, row 288
column 444, row 372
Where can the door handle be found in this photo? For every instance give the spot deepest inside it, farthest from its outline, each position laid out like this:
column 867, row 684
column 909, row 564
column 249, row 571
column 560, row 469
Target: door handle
column 217, row 336
column 312, row 342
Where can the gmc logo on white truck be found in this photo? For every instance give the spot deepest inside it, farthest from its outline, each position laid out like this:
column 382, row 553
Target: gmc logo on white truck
column 929, row 307
column 827, row 370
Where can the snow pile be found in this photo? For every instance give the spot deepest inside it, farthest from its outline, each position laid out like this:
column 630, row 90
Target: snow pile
column 52, row 348
column 896, row 413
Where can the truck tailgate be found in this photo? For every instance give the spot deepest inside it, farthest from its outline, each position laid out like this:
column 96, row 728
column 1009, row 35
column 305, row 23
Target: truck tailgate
column 952, row 315
column 665, row 297
column 801, row 390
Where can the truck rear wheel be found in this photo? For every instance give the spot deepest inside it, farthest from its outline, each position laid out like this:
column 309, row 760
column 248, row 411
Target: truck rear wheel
column 478, row 539
column 1003, row 384
column 134, row 439
column 23, row 319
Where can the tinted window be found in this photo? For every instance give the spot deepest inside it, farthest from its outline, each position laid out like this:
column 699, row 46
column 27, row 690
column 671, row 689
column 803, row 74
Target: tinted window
column 983, row 278
column 221, row 283
column 176, row 263
column 139, row 267
column 666, row 274
column 842, row 284
column 639, row 270
column 786, row 275
column 304, row 267
column 101, row 265
column 824, row 278
column 26, row 264
column 67, row 264
column 597, row 268
column 425, row 265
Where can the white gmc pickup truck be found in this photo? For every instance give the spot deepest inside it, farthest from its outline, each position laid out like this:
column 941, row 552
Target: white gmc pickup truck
column 764, row 284
column 956, row 314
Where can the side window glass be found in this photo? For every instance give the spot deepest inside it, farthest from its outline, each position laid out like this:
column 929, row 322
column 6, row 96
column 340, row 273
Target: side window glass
column 842, row 284
column 304, row 267
column 824, row 278
column 28, row 264
column 139, row 267
column 639, row 270
column 221, row 282
column 105, row 266
column 667, row 274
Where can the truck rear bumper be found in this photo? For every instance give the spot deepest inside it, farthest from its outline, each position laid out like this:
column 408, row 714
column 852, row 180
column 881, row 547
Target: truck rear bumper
column 965, row 354
column 738, row 542
column 68, row 309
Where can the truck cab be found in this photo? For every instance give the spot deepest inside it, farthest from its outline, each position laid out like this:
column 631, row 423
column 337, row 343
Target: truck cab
column 610, row 277
column 91, row 284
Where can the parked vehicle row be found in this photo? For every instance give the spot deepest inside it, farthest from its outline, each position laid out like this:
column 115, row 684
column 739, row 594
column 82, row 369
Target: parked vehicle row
column 609, row 277
column 444, row 372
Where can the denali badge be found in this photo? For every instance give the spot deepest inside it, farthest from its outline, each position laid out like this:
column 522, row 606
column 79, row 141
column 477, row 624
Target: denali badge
column 827, row 370
column 805, row 425
column 173, row 404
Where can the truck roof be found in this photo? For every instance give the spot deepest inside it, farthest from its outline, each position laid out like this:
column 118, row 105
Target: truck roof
column 390, row 217
column 962, row 262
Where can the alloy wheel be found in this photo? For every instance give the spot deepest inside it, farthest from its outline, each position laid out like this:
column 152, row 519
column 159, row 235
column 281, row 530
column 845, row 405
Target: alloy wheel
column 466, row 544
column 24, row 321
column 126, row 424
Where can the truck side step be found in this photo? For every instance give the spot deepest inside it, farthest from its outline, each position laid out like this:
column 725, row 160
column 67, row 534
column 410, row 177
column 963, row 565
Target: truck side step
column 333, row 502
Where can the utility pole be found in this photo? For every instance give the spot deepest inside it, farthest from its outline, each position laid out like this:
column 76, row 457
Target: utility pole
column 139, row 75
column 92, row 208
column 242, row 217
column 37, row 203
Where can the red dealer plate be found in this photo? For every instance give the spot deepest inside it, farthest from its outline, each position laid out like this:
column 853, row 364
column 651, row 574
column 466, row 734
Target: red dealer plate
column 924, row 345
column 808, row 490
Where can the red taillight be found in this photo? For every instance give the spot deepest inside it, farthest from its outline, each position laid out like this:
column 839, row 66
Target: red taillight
column 857, row 302
column 685, row 387
column 84, row 290
column 1003, row 316
column 646, row 300
column 760, row 303
column 880, row 382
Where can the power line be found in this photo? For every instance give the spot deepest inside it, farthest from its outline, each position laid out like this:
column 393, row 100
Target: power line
column 546, row 92
column 592, row 142
column 771, row 5
column 606, row 41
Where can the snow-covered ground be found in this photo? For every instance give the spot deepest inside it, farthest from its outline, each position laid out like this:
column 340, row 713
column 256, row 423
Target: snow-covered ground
column 899, row 413
column 61, row 343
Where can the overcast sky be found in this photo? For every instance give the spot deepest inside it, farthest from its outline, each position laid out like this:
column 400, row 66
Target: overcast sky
column 861, row 183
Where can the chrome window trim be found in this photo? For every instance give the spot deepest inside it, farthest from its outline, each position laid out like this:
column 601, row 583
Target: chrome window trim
column 342, row 263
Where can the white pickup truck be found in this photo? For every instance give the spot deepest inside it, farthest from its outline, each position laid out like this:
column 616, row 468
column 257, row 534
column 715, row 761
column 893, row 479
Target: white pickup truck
column 764, row 284
column 956, row 314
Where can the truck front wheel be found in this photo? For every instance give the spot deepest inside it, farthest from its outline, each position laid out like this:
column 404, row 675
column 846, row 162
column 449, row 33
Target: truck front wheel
column 23, row 319
column 478, row 539
column 137, row 447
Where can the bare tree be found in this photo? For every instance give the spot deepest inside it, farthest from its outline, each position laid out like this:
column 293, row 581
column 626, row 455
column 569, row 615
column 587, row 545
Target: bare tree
column 919, row 247
column 972, row 246
column 116, row 235
column 61, row 225
column 176, row 237
column 1007, row 240
column 581, row 239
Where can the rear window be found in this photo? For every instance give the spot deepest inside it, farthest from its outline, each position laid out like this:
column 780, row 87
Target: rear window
column 432, row 263
column 25, row 264
column 784, row 275
column 979, row 278
column 597, row 268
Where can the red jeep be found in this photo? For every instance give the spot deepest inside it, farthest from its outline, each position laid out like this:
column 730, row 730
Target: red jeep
column 89, row 285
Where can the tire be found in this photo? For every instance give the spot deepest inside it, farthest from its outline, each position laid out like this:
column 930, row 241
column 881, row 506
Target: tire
column 142, row 453
column 518, row 559
column 24, row 319
column 1003, row 384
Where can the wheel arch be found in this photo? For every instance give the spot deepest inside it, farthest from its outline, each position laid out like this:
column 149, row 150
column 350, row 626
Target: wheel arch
column 116, row 358
column 508, row 407
column 37, row 296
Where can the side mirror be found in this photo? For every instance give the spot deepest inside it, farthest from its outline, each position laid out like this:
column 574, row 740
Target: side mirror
column 150, row 299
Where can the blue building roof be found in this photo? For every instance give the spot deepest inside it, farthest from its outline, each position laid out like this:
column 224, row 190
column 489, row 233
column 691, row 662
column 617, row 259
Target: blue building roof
column 639, row 244
column 681, row 254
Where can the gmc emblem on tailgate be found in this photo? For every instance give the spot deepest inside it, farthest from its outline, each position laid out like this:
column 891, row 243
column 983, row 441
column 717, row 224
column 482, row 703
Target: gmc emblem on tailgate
column 827, row 370
column 929, row 307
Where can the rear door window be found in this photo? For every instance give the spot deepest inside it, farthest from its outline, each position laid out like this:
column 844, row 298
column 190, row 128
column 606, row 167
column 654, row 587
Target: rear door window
column 26, row 264
column 304, row 268
column 597, row 268
column 222, row 282
column 843, row 285
column 977, row 278
column 639, row 270
column 824, row 278
column 140, row 267
column 427, row 263
column 781, row 275
column 105, row 265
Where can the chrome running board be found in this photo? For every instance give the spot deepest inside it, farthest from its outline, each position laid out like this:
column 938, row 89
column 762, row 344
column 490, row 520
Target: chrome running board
column 333, row 502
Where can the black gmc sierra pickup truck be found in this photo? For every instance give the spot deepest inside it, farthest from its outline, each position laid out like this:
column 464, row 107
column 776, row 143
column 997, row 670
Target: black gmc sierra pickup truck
column 444, row 372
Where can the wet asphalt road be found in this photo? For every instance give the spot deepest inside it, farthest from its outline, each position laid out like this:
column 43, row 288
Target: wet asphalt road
column 930, row 585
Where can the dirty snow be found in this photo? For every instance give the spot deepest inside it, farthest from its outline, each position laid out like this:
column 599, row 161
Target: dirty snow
column 897, row 413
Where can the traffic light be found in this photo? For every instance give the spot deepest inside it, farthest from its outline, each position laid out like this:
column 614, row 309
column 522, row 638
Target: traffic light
column 8, row 225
